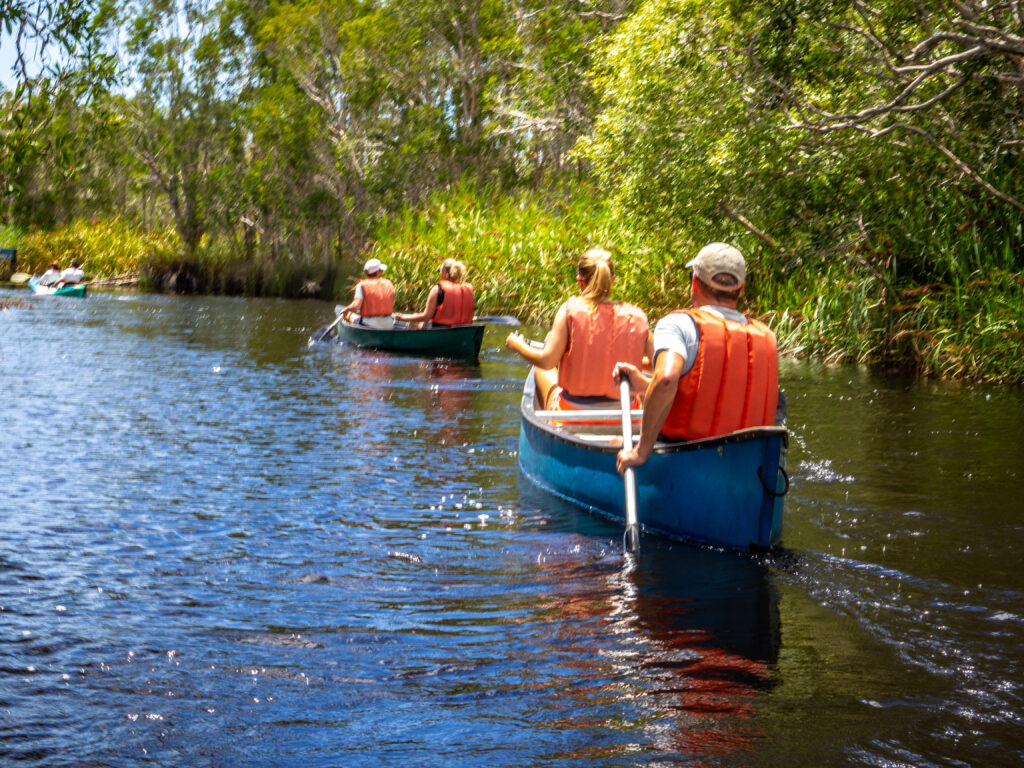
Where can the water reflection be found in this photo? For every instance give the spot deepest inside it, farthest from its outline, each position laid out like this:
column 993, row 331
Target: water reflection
column 683, row 640
column 446, row 398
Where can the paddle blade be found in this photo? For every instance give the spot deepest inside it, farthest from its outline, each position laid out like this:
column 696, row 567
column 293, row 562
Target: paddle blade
column 497, row 320
column 20, row 277
column 322, row 334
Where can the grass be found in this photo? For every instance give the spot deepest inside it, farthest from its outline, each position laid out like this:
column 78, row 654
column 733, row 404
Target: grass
column 520, row 251
column 105, row 248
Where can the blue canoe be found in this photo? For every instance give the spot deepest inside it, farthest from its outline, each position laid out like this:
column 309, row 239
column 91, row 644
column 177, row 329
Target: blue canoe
column 724, row 491
column 49, row 290
column 457, row 341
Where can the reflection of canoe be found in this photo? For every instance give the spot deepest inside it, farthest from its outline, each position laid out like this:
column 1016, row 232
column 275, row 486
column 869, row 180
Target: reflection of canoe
column 458, row 341
column 49, row 290
column 725, row 491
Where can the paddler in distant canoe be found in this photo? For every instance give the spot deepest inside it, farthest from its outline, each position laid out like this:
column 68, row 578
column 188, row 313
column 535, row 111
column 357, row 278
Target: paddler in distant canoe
column 589, row 335
column 374, row 302
column 50, row 276
column 450, row 301
column 73, row 275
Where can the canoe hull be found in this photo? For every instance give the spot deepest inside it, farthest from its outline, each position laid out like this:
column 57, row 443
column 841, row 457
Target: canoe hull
column 459, row 341
column 725, row 491
column 48, row 290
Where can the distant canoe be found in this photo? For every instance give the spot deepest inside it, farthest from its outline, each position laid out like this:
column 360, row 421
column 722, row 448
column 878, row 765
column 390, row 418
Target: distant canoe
column 48, row 290
column 725, row 491
column 457, row 341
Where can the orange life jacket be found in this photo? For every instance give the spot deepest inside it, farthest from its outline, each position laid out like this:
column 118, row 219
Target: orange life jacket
column 598, row 339
column 734, row 381
column 378, row 297
column 456, row 308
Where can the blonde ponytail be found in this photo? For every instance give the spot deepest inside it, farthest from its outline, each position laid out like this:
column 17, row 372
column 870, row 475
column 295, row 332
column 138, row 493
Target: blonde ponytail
column 596, row 270
column 455, row 270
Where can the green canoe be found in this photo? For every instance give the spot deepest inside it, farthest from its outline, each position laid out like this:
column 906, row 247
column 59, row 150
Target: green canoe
column 48, row 290
column 457, row 341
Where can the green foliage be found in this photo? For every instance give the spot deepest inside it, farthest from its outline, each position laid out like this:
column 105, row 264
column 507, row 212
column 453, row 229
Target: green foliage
column 520, row 251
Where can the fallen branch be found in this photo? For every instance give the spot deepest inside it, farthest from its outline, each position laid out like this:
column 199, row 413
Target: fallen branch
column 129, row 278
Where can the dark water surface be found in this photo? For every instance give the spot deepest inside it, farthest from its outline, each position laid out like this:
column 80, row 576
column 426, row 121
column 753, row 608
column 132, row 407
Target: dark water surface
column 219, row 547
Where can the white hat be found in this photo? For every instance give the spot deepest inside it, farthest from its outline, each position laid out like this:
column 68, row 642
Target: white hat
column 373, row 265
column 719, row 259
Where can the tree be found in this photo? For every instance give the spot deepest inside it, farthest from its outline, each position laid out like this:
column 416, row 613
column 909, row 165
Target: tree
column 183, row 78
column 56, row 56
column 948, row 74
column 546, row 101
column 811, row 128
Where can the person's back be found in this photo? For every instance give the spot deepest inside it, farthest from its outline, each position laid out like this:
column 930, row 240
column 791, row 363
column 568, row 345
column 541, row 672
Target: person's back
column 732, row 382
column 455, row 303
column 378, row 297
column 599, row 337
column 50, row 276
column 449, row 301
column 589, row 335
column 72, row 275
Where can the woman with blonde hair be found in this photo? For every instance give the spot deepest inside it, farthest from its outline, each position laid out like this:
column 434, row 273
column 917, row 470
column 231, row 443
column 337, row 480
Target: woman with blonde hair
column 589, row 336
column 450, row 301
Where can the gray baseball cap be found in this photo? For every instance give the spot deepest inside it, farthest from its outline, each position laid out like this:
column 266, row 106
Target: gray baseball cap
column 719, row 259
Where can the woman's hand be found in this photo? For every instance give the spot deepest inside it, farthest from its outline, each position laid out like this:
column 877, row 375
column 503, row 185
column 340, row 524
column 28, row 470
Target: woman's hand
column 514, row 341
column 637, row 381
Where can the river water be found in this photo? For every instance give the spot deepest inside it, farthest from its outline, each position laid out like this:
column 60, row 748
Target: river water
column 221, row 547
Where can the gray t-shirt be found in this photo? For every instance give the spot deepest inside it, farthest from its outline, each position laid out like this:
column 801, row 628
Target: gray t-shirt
column 678, row 333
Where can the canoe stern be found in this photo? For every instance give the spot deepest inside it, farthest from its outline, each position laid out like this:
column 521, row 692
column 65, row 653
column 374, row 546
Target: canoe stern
column 725, row 491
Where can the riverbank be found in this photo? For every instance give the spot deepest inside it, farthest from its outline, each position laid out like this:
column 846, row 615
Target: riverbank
column 520, row 256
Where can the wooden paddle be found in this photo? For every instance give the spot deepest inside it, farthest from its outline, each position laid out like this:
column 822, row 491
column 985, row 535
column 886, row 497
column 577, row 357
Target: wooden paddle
column 631, row 537
column 321, row 333
column 20, row 277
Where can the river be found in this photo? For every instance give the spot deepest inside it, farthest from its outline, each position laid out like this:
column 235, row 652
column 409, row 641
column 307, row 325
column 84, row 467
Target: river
column 222, row 547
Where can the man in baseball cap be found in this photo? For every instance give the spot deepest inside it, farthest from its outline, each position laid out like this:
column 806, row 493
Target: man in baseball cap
column 715, row 369
column 374, row 302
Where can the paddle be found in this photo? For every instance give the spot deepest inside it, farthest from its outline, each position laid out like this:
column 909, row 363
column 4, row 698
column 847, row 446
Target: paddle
column 631, row 537
column 497, row 320
column 20, row 277
column 321, row 333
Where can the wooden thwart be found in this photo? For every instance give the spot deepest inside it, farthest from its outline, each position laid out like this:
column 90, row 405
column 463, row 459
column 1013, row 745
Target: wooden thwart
column 604, row 414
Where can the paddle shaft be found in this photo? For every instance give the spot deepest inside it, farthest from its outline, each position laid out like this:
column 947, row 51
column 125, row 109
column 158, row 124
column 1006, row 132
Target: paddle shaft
column 322, row 333
column 632, row 533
